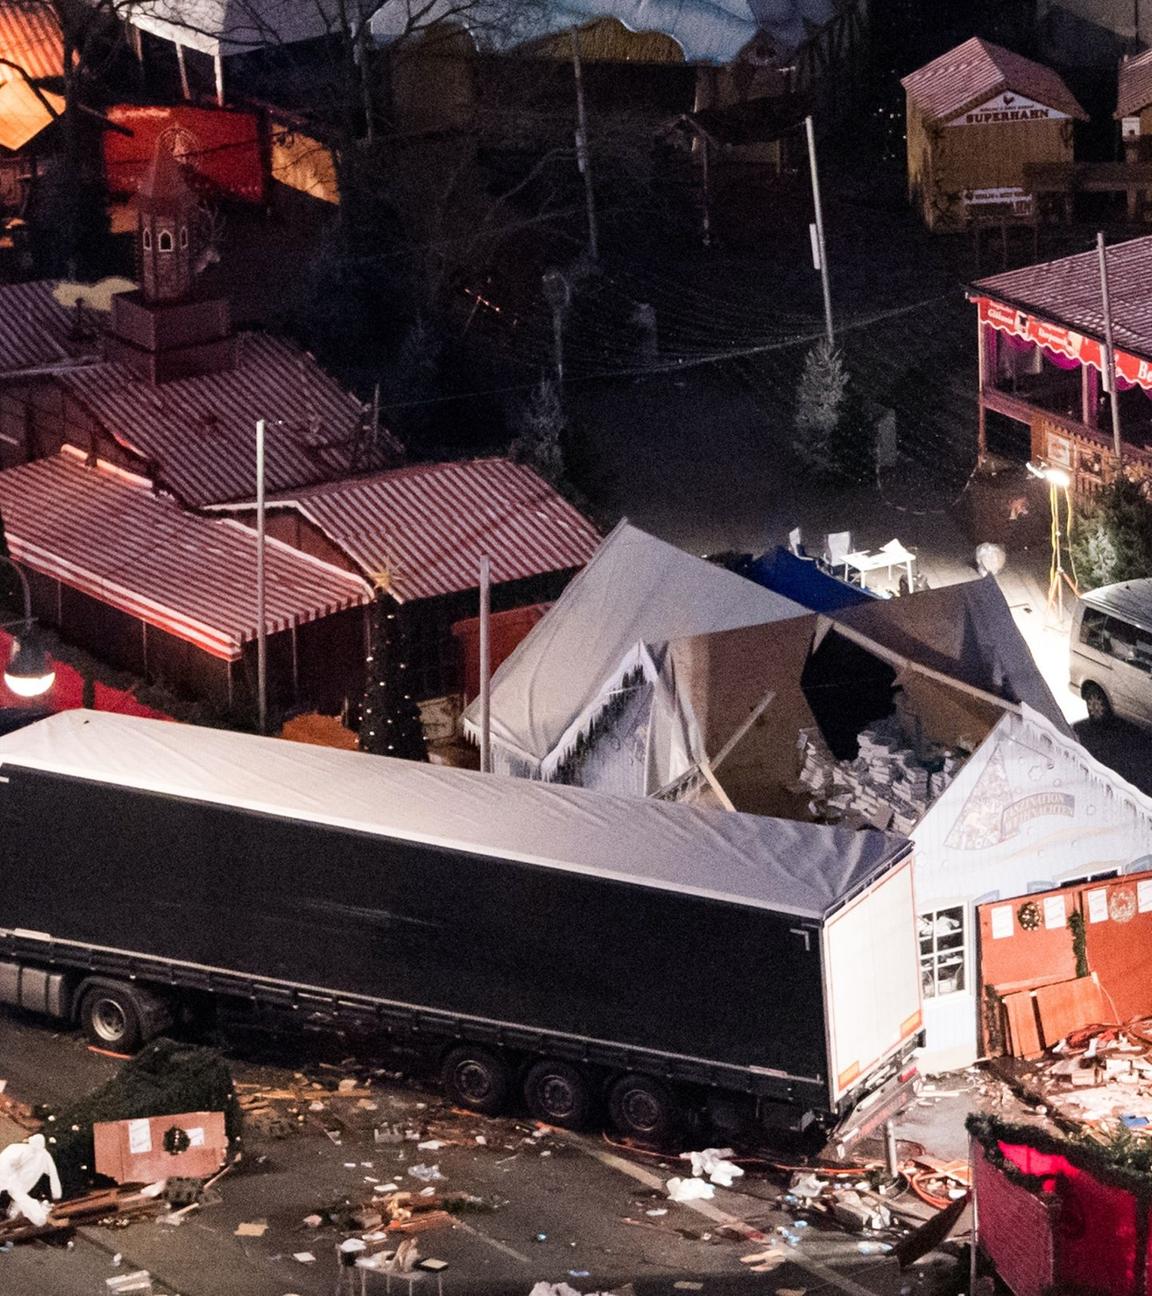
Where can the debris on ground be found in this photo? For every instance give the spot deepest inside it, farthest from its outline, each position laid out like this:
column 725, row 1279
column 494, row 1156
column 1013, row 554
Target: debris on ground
column 714, row 1165
column 108, row 1206
column 686, row 1190
column 1098, row 1078
column 144, row 1149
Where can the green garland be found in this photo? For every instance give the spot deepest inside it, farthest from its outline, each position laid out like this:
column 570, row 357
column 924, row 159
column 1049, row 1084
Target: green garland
column 1079, row 943
column 1123, row 1161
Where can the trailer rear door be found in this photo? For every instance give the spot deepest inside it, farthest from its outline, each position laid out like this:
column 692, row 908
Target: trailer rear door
column 872, row 977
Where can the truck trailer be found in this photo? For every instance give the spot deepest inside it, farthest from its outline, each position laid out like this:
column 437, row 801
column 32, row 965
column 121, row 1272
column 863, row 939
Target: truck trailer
column 578, row 949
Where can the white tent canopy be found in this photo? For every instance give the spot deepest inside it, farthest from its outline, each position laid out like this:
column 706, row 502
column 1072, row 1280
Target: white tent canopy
column 739, row 859
column 635, row 590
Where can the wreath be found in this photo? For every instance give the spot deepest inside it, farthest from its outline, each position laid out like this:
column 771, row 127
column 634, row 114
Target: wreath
column 1029, row 916
column 176, row 1140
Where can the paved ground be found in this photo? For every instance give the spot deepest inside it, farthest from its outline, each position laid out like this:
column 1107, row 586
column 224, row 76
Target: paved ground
column 560, row 1208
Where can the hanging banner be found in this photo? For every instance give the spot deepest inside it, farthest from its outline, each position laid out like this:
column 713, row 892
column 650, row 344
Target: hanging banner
column 1063, row 341
column 1007, row 107
column 221, row 147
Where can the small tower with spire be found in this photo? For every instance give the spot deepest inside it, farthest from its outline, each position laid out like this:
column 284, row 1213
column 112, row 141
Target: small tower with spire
column 166, row 212
column 167, row 328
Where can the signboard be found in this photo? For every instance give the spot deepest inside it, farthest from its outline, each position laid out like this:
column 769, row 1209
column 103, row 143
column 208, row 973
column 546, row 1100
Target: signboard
column 1016, row 198
column 1007, row 107
column 1130, row 128
column 1059, row 451
column 221, row 147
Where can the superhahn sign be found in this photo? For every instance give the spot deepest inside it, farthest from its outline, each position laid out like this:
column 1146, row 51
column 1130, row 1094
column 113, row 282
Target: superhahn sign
column 1007, row 107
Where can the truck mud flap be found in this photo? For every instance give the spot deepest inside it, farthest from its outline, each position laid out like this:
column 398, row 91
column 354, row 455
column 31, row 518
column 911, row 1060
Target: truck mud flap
column 873, row 1111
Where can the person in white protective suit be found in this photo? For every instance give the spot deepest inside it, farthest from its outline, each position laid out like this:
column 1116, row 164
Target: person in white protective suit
column 22, row 1166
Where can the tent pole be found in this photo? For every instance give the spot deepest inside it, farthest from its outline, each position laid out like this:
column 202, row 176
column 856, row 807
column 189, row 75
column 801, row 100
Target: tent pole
column 485, row 665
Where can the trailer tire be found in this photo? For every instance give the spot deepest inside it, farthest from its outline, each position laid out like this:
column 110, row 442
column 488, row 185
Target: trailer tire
column 1096, row 701
column 476, row 1079
column 119, row 1017
column 644, row 1109
column 558, row 1094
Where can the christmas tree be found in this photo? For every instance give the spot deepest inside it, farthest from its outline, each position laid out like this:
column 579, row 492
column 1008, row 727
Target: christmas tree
column 389, row 717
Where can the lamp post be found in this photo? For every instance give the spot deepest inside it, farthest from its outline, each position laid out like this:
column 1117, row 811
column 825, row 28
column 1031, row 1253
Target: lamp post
column 1061, row 536
column 29, row 673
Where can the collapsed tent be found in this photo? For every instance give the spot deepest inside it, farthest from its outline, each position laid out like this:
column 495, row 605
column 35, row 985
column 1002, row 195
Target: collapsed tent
column 635, row 590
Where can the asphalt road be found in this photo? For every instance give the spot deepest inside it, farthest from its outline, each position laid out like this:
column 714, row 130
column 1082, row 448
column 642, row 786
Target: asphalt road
column 558, row 1207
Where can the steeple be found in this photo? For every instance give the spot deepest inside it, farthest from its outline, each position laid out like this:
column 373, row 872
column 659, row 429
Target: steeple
column 166, row 329
column 165, row 218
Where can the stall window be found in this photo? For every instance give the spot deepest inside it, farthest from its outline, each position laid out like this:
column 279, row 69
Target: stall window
column 942, row 933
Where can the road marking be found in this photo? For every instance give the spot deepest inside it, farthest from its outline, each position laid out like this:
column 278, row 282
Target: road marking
column 500, row 1246
column 718, row 1216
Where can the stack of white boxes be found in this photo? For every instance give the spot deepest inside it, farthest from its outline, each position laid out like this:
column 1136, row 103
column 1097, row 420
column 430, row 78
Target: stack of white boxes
column 886, row 786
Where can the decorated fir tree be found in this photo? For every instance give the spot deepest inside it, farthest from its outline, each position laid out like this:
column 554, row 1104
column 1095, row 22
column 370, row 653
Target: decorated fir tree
column 389, row 717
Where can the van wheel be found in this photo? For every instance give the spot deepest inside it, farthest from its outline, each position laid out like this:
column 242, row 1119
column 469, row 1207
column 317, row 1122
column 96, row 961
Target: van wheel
column 111, row 1018
column 1096, row 700
column 558, row 1094
column 644, row 1109
column 476, row 1079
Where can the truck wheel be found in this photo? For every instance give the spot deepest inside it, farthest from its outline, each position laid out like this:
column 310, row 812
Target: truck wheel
column 476, row 1079
column 558, row 1094
column 1096, row 700
column 110, row 1018
column 643, row 1109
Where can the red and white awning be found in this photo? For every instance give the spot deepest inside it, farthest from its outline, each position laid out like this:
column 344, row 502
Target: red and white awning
column 1063, row 341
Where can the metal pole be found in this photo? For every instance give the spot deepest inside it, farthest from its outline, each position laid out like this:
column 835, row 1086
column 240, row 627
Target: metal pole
column 485, row 665
column 261, row 618
column 1113, row 391
column 819, row 207
column 891, row 1155
column 583, row 161
column 558, row 344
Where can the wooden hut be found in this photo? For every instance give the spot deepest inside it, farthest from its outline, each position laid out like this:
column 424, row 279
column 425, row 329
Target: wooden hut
column 978, row 117
column 1134, row 106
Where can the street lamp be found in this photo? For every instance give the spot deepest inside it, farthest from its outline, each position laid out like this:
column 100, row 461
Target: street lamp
column 1059, row 482
column 29, row 673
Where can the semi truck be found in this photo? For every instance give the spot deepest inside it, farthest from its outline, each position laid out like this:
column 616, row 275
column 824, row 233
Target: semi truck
column 583, row 953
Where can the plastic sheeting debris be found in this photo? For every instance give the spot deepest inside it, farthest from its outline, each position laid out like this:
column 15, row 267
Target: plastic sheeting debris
column 686, row 1190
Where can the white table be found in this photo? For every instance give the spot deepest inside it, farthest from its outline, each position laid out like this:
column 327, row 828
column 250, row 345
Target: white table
column 890, row 557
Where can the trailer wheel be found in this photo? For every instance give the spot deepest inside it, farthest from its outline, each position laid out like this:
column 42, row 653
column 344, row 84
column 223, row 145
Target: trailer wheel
column 476, row 1079
column 120, row 1017
column 1096, row 700
column 558, row 1094
column 643, row 1109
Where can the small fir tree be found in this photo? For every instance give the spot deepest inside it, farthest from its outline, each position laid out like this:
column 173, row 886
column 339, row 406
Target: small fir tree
column 539, row 440
column 833, row 435
column 1112, row 537
column 389, row 717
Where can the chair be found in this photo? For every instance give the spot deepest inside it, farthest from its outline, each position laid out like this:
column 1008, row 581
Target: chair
column 796, row 542
column 837, row 546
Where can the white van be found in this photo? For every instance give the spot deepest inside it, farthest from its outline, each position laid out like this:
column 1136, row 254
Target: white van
column 1111, row 651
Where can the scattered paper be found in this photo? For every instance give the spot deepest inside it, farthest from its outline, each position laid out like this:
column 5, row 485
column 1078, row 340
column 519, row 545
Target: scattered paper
column 425, row 1173
column 686, row 1190
column 251, row 1228
column 685, row 1285
column 305, row 1257
column 429, row 1145
column 713, row 1164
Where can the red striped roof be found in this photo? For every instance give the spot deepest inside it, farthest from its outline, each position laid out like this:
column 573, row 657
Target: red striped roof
column 108, row 535
column 1134, row 85
column 34, row 327
column 428, row 525
column 1067, row 292
column 977, row 71
column 197, row 436
column 30, row 37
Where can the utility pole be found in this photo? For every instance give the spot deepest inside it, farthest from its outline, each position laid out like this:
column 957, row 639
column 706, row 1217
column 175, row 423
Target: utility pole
column 261, row 618
column 820, row 251
column 485, row 665
column 583, row 161
column 1110, row 349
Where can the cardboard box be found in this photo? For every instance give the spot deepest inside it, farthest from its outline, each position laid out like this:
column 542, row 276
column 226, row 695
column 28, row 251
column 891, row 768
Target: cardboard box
column 134, row 1151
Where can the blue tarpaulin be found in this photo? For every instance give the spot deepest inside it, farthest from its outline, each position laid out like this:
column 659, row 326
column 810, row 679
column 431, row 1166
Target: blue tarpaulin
column 803, row 581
